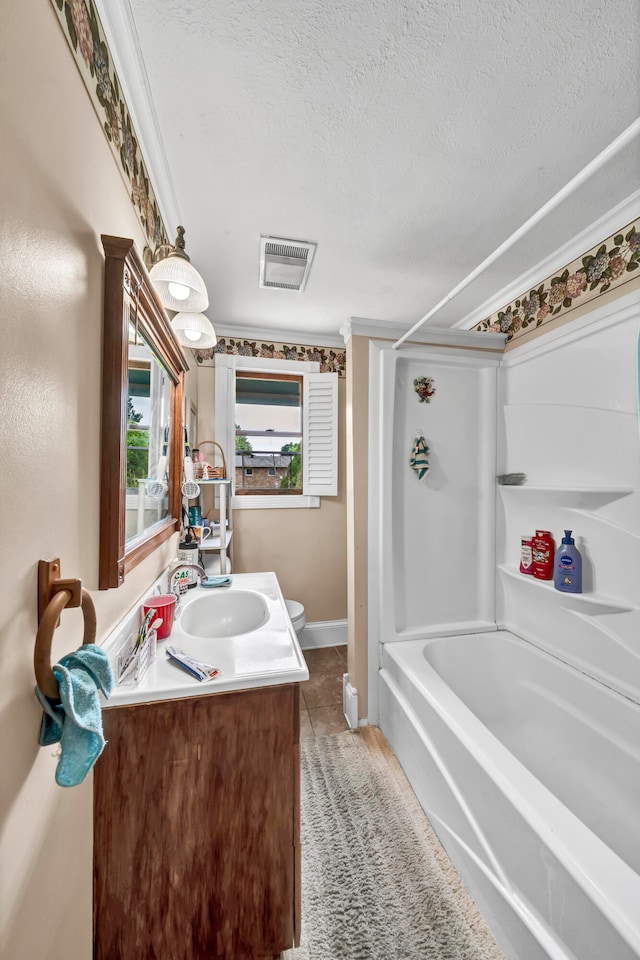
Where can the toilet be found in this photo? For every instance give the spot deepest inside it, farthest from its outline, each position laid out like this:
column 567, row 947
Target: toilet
column 296, row 615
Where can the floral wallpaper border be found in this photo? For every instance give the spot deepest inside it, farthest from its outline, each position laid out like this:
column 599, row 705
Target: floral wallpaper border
column 604, row 267
column 83, row 30
column 331, row 361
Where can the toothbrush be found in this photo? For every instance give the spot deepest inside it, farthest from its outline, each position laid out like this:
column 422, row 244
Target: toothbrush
column 142, row 632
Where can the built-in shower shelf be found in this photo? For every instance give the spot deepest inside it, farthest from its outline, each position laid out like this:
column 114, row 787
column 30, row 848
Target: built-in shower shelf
column 588, row 497
column 592, row 604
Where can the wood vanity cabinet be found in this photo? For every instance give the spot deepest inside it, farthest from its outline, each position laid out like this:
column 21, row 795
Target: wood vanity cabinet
column 196, row 828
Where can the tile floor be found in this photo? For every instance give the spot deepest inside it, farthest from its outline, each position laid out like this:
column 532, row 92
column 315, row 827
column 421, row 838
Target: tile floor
column 321, row 702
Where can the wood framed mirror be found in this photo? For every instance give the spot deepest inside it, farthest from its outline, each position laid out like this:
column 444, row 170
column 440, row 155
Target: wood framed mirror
column 143, row 369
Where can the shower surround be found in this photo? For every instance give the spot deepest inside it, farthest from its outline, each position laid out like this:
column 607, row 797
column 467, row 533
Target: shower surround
column 515, row 709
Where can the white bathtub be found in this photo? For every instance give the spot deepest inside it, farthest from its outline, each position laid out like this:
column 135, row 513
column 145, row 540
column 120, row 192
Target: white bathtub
column 530, row 773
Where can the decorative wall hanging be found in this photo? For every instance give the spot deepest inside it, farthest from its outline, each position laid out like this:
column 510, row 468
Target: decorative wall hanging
column 85, row 36
column 419, row 454
column 331, row 361
column 602, row 268
column 425, row 388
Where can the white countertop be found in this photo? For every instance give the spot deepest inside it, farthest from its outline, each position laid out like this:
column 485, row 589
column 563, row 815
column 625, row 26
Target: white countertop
column 267, row 656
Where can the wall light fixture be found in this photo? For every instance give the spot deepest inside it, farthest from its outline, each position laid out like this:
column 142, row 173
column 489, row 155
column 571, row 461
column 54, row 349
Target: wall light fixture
column 182, row 291
column 180, row 286
column 194, row 330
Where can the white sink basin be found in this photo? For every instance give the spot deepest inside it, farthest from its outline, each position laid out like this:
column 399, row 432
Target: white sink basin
column 224, row 613
column 243, row 630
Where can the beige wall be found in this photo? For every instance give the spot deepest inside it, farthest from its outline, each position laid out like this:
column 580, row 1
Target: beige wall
column 59, row 189
column 357, row 514
column 307, row 548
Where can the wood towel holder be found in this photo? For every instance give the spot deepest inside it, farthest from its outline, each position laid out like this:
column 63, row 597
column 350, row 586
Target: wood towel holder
column 54, row 594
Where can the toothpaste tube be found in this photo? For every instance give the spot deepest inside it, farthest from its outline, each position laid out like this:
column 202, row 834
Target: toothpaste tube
column 197, row 669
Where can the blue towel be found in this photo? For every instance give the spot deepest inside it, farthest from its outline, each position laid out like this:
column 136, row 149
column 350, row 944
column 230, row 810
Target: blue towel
column 76, row 722
column 217, row 582
column 419, row 455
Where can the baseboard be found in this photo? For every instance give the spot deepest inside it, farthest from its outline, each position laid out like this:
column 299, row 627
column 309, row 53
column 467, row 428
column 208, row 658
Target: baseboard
column 325, row 633
column 349, row 702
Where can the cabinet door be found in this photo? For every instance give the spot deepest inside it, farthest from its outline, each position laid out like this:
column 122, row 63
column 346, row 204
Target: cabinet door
column 195, row 828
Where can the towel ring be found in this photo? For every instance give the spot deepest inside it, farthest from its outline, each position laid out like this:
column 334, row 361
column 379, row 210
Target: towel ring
column 44, row 637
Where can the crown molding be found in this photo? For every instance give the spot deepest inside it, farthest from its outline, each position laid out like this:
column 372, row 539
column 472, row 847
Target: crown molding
column 438, row 336
column 273, row 335
column 118, row 23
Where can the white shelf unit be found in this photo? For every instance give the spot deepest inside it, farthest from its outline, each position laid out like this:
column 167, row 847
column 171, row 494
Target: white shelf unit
column 215, row 543
column 219, row 545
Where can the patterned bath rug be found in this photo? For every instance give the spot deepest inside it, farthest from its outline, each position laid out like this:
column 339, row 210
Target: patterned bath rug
column 376, row 883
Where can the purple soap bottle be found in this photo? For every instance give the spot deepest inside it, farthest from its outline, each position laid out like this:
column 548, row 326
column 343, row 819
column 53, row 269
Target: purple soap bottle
column 567, row 572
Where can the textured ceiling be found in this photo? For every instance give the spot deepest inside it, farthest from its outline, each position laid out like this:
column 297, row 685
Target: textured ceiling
column 407, row 138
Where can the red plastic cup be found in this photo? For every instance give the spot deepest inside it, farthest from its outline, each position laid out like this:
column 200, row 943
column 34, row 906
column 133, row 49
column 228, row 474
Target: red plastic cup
column 165, row 607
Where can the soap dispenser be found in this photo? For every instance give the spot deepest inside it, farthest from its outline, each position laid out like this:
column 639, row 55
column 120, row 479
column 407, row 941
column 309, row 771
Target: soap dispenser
column 188, row 553
column 567, row 575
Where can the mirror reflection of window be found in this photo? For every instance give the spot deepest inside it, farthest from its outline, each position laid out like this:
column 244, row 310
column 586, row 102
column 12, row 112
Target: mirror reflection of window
column 138, row 422
column 148, row 418
column 192, row 425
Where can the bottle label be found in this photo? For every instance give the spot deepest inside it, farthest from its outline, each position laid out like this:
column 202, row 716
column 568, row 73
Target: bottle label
column 543, row 549
column 526, row 555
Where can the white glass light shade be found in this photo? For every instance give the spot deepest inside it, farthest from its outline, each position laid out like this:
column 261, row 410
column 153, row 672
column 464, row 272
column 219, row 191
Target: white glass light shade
column 178, row 291
column 194, row 330
column 175, row 275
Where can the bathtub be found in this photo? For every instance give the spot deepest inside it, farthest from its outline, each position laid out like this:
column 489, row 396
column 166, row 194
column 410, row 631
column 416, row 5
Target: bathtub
column 529, row 772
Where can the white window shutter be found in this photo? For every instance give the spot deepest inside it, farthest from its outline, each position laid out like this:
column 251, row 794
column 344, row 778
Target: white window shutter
column 225, row 399
column 320, row 438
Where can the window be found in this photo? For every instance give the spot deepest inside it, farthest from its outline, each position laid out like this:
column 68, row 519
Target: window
column 279, row 417
column 268, row 435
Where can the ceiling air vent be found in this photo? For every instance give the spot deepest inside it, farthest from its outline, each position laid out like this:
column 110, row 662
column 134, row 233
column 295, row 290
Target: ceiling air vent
column 285, row 264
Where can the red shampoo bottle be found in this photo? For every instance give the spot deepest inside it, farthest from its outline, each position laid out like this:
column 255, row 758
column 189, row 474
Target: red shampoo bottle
column 543, row 549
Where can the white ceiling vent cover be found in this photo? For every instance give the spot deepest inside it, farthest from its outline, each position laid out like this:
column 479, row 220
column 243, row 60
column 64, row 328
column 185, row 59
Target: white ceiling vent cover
column 285, row 264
